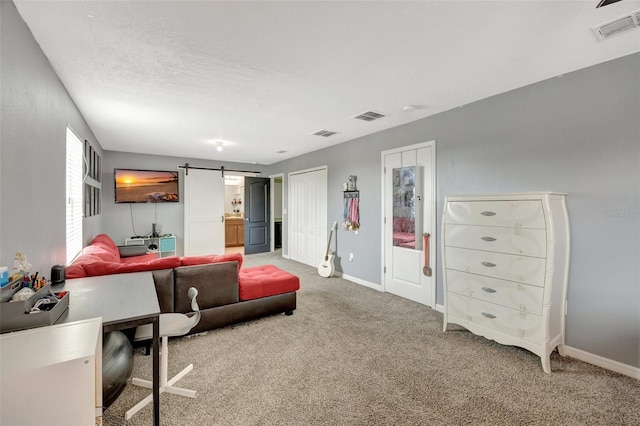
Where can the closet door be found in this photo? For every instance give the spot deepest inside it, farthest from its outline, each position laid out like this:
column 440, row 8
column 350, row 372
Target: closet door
column 203, row 212
column 307, row 218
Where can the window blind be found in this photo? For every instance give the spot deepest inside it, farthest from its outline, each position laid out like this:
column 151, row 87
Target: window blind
column 74, row 195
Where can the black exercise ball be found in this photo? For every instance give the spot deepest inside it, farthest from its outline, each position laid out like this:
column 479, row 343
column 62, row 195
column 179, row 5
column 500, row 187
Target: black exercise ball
column 117, row 365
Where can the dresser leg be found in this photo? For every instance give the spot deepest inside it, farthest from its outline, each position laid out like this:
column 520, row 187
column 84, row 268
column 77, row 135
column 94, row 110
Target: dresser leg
column 546, row 363
column 561, row 350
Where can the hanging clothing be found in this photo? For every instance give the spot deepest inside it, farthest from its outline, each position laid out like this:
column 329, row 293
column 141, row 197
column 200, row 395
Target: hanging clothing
column 351, row 211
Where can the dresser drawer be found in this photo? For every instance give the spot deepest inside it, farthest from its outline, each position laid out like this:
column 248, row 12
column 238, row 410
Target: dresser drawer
column 524, row 241
column 505, row 320
column 524, row 214
column 528, row 270
column 522, row 297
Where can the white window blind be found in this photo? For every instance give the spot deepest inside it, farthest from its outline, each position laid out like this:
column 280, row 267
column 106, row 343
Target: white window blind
column 74, row 195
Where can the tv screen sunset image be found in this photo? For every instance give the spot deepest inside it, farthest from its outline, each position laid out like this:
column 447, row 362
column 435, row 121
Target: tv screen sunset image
column 145, row 186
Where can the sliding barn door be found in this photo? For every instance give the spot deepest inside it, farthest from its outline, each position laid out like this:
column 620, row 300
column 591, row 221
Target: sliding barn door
column 307, row 216
column 203, row 212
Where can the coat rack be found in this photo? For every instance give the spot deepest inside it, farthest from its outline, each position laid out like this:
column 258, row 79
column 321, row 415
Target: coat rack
column 351, row 206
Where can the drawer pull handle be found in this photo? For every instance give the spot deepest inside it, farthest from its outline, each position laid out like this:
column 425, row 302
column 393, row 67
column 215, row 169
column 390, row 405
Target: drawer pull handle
column 488, row 239
column 488, row 213
column 488, row 315
column 488, row 290
column 489, row 264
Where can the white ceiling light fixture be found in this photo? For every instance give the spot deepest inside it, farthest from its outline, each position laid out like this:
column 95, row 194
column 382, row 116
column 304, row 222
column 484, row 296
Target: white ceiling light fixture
column 219, row 146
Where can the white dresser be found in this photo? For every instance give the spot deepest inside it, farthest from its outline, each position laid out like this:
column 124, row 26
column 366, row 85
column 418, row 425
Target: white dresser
column 506, row 266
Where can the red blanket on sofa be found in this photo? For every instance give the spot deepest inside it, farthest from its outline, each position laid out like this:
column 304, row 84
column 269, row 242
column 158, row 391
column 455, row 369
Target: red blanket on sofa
column 102, row 257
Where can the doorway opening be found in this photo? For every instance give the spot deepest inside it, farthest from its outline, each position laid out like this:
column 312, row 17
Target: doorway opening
column 234, row 214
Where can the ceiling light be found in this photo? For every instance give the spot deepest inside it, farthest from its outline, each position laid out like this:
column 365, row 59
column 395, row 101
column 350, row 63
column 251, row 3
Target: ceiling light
column 219, row 146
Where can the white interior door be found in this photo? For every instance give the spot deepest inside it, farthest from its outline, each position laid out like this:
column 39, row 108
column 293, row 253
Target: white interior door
column 409, row 212
column 307, row 218
column 203, row 212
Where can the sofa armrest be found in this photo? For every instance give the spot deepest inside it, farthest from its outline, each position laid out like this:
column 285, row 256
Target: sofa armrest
column 217, row 285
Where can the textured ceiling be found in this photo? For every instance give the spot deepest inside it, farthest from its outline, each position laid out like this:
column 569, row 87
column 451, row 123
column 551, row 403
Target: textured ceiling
column 174, row 77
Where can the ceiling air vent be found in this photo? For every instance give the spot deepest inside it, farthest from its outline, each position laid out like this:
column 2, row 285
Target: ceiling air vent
column 369, row 116
column 325, row 133
column 622, row 23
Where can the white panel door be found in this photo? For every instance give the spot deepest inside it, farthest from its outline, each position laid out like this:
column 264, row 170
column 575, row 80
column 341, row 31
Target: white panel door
column 308, row 216
column 409, row 212
column 203, row 212
column 297, row 223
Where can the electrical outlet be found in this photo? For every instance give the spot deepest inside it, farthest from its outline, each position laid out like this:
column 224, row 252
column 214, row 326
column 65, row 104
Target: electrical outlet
column 350, row 257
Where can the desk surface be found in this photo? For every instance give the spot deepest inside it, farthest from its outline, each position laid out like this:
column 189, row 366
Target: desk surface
column 118, row 299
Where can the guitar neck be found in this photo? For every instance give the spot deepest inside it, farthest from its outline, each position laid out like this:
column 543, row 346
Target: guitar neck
column 326, row 255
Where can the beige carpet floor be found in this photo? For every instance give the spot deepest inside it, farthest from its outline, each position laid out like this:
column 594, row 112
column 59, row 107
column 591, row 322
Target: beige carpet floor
column 350, row 355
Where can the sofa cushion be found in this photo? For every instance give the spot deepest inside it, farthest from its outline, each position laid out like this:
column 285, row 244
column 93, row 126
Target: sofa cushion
column 217, row 285
column 163, row 279
column 96, row 268
column 212, row 258
column 138, row 259
column 75, row 270
column 266, row 280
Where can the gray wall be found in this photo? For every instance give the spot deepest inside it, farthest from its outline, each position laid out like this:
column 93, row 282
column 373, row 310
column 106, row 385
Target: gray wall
column 579, row 134
column 36, row 109
column 120, row 219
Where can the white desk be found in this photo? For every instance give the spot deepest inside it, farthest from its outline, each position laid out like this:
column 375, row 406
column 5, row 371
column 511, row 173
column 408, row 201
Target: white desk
column 123, row 301
column 52, row 375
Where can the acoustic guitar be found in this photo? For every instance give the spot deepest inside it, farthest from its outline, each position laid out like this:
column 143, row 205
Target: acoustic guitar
column 327, row 267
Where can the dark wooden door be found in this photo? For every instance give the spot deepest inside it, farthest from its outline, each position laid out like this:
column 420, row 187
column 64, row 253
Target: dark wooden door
column 256, row 215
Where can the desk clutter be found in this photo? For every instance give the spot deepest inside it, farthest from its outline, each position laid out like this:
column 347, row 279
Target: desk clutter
column 28, row 308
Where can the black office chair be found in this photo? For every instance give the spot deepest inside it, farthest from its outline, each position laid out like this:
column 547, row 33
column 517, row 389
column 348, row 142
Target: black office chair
column 171, row 325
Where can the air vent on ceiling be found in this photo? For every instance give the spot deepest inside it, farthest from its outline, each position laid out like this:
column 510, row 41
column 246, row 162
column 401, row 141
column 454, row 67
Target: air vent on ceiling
column 369, row 116
column 622, row 23
column 325, row 133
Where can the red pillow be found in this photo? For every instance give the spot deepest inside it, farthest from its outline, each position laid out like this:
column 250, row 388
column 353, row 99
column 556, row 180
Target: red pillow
column 102, row 252
column 211, row 258
column 106, row 240
column 108, row 268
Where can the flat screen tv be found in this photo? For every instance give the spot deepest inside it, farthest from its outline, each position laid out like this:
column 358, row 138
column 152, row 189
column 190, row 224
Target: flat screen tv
column 145, row 186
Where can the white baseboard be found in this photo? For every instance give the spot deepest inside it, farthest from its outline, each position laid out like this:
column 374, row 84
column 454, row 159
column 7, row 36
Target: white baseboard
column 285, row 255
column 359, row 281
column 618, row 367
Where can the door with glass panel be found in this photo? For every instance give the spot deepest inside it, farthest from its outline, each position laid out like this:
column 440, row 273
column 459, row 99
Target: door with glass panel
column 409, row 222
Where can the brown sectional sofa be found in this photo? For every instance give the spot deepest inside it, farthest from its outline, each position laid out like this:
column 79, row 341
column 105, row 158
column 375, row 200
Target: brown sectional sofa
column 227, row 293
column 218, row 287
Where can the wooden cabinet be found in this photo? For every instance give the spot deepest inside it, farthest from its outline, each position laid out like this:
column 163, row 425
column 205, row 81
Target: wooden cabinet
column 505, row 264
column 234, row 232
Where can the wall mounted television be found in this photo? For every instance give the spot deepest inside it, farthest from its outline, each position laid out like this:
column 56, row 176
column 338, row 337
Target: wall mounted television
column 145, row 186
